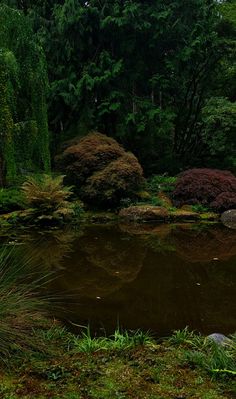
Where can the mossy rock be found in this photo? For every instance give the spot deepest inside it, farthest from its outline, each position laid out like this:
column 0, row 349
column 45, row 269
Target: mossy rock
column 145, row 213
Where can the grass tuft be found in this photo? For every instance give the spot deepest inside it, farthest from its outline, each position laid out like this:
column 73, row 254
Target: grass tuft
column 22, row 308
column 118, row 341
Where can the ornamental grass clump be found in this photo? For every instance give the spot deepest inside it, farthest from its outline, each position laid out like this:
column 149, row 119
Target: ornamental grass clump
column 22, row 307
column 47, row 196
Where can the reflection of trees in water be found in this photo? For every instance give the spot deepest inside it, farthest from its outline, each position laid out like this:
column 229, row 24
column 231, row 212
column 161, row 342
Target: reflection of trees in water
column 170, row 291
column 103, row 260
column 48, row 249
column 193, row 243
column 205, row 245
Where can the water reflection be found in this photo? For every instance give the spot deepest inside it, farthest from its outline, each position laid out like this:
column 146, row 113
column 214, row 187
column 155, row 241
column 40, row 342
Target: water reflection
column 152, row 277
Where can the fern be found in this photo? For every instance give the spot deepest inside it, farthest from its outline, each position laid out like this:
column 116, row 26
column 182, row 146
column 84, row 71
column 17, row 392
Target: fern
column 47, row 194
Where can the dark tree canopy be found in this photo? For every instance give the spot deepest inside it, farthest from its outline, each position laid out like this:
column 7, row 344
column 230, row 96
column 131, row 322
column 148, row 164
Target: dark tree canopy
column 152, row 74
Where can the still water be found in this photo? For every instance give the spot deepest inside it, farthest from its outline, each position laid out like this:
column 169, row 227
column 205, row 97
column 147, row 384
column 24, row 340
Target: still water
column 157, row 278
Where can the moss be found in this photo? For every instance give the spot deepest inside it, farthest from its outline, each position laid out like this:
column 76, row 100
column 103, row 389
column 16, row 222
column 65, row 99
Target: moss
column 148, row 370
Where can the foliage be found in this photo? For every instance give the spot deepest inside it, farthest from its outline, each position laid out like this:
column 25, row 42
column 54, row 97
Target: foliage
column 161, row 84
column 203, row 186
column 21, row 307
column 219, row 119
column 101, row 170
column 119, row 341
column 46, row 195
column 159, row 183
column 137, row 71
column 205, row 353
column 224, row 201
column 180, row 337
column 11, row 199
column 199, row 208
column 23, row 86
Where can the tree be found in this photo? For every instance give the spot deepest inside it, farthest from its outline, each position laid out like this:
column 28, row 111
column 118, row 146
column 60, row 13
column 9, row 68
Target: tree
column 140, row 71
column 23, row 86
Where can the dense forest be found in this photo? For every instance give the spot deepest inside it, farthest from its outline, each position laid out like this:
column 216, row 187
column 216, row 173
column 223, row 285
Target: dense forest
column 158, row 76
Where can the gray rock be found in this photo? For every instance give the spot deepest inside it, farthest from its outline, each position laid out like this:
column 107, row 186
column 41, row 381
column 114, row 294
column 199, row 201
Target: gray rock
column 228, row 218
column 218, row 338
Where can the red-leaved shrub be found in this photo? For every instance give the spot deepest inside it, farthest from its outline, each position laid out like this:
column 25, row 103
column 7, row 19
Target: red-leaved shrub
column 100, row 169
column 210, row 187
column 224, row 201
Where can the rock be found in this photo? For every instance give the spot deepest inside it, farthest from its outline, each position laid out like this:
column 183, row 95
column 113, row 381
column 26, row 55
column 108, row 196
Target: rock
column 228, row 218
column 219, row 339
column 145, row 213
column 184, row 215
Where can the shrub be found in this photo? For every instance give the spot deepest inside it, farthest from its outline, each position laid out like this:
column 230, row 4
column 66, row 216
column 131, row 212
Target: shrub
column 11, row 199
column 46, row 195
column 101, row 170
column 204, row 186
column 224, row 201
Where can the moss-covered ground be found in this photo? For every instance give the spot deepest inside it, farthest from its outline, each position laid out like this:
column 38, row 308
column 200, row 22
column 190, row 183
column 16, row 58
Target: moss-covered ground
column 124, row 366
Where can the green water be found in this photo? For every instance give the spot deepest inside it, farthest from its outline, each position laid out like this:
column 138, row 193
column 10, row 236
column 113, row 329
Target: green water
column 157, row 278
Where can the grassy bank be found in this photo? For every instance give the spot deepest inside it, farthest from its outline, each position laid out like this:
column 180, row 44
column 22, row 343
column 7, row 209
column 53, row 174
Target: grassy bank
column 122, row 366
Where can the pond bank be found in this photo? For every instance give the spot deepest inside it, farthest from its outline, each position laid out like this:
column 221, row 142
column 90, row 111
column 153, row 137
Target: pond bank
column 124, row 366
column 139, row 214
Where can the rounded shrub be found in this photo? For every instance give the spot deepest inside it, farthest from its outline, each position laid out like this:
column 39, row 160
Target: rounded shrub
column 209, row 187
column 101, row 170
column 224, row 201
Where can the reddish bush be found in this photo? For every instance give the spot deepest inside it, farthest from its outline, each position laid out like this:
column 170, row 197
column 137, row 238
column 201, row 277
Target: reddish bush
column 204, row 186
column 101, row 170
column 81, row 158
column 224, row 201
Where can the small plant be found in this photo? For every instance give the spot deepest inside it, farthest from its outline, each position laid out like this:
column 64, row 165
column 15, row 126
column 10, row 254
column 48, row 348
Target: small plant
column 55, row 373
column 155, row 201
column 180, row 337
column 78, row 211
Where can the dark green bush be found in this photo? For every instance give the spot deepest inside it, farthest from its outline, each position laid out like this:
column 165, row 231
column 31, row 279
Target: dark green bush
column 11, row 199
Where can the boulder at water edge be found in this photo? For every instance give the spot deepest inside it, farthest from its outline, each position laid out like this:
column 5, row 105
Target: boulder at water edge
column 228, row 218
column 144, row 213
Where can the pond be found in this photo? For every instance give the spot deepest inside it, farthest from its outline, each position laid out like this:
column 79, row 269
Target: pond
column 152, row 277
